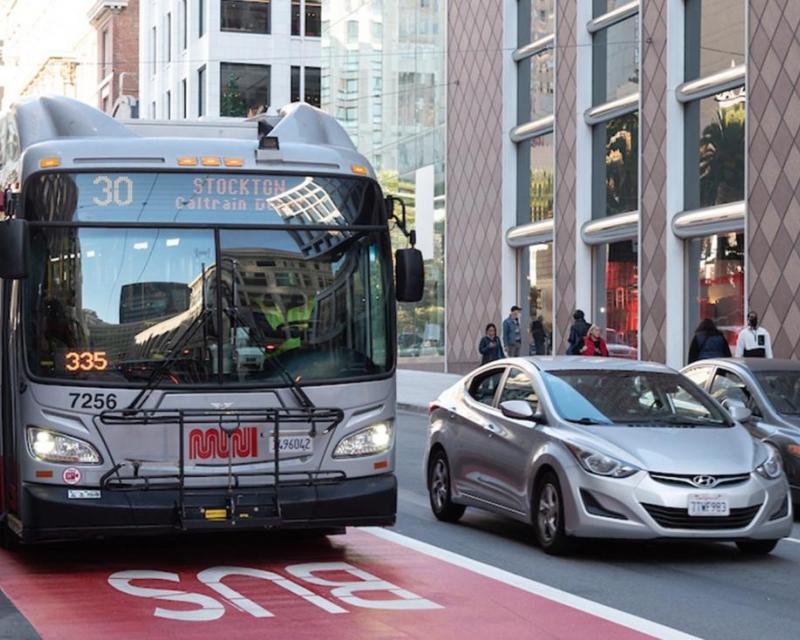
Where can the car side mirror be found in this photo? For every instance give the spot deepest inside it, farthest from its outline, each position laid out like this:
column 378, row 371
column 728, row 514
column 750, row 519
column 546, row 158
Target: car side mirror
column 521, row 410
column 738, row 410
column 409, row 275
column 14, row 249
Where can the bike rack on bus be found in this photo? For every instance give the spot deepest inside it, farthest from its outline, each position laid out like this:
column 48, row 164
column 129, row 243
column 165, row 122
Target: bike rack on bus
column 243, row 503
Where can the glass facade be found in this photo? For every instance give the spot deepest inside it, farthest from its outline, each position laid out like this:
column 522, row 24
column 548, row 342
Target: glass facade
column 542, row 71
column 716, row 283
column 616, row 166
column 615, row 53
column 539, row 281
column 715, row 36
column 617, row 296
column 600, row 7
column 542, row 19
column 384, row 77
column 542, row 177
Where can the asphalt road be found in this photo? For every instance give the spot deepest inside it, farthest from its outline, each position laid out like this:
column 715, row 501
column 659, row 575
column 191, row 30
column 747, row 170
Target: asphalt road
column 708, row 589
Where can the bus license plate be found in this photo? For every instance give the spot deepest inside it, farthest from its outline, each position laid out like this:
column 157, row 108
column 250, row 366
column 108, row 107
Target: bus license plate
column 708, row 504
column 293, row 444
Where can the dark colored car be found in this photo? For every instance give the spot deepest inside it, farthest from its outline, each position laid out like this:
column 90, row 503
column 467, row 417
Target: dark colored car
column 771, row 390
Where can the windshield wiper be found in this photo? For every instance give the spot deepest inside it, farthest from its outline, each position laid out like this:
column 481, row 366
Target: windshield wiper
column 588, row 421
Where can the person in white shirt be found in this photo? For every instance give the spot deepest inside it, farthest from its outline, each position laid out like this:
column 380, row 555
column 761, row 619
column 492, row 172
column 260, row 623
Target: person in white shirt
column 754, row 341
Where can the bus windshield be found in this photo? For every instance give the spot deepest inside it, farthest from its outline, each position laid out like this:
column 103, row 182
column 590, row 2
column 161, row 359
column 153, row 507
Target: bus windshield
column 221, row 305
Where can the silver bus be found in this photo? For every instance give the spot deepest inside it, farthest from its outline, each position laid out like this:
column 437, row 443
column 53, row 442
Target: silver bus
column 197, row 325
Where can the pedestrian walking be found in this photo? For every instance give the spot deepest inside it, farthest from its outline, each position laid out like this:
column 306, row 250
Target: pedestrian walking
column 754, row 341
column 708, row 342
column 490, row 347
column 577, row 333
column 538, row 336
column 593, row 343
column 512, row 334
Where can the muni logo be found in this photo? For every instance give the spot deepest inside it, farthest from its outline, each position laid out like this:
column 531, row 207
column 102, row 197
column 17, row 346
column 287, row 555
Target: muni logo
column 213, row 443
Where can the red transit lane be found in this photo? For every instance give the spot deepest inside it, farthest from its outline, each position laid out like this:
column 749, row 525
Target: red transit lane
column 365, row 584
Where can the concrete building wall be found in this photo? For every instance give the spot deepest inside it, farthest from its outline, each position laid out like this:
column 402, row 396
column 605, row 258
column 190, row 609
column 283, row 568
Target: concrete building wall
column 474, row 233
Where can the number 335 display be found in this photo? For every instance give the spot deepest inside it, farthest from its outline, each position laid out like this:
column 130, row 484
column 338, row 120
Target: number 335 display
column 77, row 361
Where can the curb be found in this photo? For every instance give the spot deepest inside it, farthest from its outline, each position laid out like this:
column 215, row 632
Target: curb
column 412, row 408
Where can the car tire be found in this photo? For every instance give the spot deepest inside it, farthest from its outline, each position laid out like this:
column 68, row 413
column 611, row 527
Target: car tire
column 439, row 490
column 548, row 517
column 756, row 547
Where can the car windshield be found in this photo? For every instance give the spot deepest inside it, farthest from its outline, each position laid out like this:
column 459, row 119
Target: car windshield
column 782, row 389
column 241, row 305
column 630, row 398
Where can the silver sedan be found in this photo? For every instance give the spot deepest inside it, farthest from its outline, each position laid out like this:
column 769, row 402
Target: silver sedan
column 602, row 448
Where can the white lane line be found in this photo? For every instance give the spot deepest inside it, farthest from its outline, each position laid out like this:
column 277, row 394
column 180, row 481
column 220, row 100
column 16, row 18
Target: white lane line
column 537, row 588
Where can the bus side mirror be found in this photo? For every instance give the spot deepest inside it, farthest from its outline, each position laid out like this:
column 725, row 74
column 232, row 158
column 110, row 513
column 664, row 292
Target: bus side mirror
column 409, row 275
column 14, row 248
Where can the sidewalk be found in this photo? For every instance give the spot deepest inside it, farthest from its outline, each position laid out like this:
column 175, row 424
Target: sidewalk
column 415, row 389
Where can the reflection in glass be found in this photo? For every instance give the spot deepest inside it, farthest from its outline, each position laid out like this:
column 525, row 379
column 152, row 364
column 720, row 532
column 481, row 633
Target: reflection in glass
column 715, row 36
column 542, row 19
column 540, row 298
column 617, row 177
column 715, row 129
column 618, row 297
column 245, row 16
column 716, row 283
column 542, row 70
column 616, row 61
column 542, row 177
column 599, row 7
column 244, row 89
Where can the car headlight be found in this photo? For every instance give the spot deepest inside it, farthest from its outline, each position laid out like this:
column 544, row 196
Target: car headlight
column 601, row 464
column 51, row 446
column 376, row 438
column 772, row 467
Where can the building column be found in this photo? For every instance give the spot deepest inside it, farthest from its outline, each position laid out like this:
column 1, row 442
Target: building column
column 773, row 171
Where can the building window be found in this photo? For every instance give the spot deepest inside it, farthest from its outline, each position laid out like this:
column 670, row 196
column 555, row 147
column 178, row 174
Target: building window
column 714, row 35
column 168, row 36
column 539, row 281
column 105, row 53
column 542, row 19
column 296, row 17
column 184, row 25
column 246, row 16
column 715, row 149
column 716, row 283
column 244, row 89
column 617, row 297
column 313, row 19
column 201, row 18
column 295, row 85
column 168, row 105
column 201, row 91
column 352, row 30
column 184, row 99
column 616, row 166
column 153, row 110
column 312, row 88
column 542, row 70
column 153, row 51
column 542, row 177
column 604, row 6
column 615, row 53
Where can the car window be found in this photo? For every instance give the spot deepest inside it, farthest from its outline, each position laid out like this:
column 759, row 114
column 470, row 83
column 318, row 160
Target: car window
column 699, row 375
column 783, row 390
column 518, row 386
column 483, row 386
column 728, row 386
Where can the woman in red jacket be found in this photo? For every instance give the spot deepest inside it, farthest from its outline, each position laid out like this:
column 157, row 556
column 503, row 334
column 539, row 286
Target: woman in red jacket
column 593, row 344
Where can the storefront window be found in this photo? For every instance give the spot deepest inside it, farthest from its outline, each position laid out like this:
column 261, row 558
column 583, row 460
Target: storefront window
column 539, row 281
column 616, row 61
column 715, row 36
column 715, row 145
column 616, row 166
column 618, row 297
column 716, row 283
column 542, row 177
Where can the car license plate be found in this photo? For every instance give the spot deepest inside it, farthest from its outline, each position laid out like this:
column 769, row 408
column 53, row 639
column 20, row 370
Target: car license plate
column 293, row 444
column 708, row 504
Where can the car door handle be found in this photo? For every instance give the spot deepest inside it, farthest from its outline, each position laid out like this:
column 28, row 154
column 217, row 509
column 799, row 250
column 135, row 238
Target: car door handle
column 492, row 429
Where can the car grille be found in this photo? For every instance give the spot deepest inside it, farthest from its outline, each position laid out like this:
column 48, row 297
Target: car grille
column 671, row 518
column 686, row 480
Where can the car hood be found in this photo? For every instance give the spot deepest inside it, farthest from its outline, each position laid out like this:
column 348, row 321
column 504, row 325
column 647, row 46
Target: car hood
column 698, row 450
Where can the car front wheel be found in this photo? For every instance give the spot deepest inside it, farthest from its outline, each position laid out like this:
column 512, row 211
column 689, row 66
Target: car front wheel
column 548, row 517
column 439, row 490
column 756, row 547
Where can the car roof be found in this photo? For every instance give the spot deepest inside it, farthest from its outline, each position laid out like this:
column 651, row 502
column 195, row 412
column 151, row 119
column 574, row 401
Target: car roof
column 753, row 364
column 572, row 363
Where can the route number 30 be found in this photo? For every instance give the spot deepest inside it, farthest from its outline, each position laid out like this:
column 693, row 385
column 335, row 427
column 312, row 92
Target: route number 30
column 117, row 191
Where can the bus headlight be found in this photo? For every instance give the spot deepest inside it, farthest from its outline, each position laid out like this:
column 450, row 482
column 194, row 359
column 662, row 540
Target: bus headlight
column 51, row 446
column 376, row 438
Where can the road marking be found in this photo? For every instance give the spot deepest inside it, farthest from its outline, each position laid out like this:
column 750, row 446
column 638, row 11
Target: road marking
column 795, row 540
column 616, row 616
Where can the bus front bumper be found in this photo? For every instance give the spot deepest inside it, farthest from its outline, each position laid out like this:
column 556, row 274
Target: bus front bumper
column 49, row 513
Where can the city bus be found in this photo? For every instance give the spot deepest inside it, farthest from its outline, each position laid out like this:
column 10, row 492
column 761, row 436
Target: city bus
column 197, row 325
